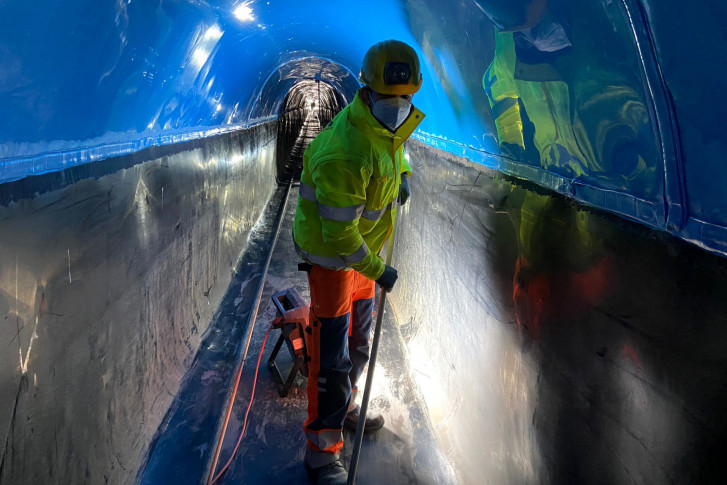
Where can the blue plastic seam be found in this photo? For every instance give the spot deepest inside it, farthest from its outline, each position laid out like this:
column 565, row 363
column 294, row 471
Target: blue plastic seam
column 675, row 203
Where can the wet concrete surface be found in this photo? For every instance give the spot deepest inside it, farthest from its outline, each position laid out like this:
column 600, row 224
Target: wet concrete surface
column 106, row 284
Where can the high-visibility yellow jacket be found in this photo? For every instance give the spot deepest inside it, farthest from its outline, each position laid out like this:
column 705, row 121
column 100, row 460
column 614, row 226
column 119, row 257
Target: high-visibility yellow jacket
column 593, row 127
column 546, row 99
column 351, row 176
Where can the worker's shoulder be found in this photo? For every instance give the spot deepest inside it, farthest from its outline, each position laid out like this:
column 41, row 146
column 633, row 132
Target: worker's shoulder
column 342, row 130
column 331, row 158
column 343, row 142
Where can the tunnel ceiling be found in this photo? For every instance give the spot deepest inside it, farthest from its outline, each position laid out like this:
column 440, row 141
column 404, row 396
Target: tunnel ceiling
column 619, row 122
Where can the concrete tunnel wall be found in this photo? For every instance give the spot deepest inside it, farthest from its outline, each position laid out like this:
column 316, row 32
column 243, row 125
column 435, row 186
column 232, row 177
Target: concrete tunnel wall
column 108, row 285
column 84, row 83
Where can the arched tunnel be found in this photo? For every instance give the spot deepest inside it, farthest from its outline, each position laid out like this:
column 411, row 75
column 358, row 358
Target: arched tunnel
column 307, row 108
column 561, row 309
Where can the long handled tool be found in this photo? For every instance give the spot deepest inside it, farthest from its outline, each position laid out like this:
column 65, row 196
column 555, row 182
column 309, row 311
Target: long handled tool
column 372, row 365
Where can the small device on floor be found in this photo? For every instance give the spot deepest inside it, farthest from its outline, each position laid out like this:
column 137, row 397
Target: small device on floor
column 292, row 321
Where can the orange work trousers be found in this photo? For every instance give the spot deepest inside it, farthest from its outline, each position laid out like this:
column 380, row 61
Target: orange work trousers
column 341, row 312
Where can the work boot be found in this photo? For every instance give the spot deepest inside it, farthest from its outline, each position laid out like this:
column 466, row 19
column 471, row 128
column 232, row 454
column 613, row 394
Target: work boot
column 331, row 474
column 374, row 421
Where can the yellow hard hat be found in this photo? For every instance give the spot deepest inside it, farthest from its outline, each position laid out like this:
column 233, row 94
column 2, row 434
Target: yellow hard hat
column 391, row 67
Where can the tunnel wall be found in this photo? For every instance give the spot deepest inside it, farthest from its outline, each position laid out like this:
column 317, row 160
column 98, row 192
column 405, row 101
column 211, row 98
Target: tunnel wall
column 608, row 113
column 553, row 343
column 457, row 351
column 108, row 281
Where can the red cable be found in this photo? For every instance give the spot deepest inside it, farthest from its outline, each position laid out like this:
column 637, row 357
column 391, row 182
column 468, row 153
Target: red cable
column 244, row 424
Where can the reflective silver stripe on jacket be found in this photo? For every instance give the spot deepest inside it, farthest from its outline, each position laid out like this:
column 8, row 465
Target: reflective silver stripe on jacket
column 326, row 262
column 334, row 263
column 307, row 192
column 350, row 213
column 357, row 255
column 375, row 215
column 343, row 214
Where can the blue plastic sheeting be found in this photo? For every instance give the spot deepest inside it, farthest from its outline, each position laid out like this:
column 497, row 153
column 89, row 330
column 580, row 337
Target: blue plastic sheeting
column 690, row 49
column 612, row 102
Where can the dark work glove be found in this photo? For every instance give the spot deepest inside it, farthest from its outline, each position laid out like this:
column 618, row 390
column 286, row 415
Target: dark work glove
column 404, row 191
column 387, row 279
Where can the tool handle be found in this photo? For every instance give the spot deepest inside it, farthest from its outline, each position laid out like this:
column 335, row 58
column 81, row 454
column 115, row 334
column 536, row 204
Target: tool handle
column 358, row 440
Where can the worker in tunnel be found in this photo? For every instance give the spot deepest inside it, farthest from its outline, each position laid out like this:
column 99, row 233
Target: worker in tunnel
column 559, row 105
column 353, row 172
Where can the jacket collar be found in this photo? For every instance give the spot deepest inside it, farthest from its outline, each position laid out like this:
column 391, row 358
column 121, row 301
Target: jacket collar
column 360, row 116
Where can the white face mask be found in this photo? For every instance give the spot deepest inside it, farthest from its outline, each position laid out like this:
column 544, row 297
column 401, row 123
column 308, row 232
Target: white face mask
column 391, row 112
column 548, row 35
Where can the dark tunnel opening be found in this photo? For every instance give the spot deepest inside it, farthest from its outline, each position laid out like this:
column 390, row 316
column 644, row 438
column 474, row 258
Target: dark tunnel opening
column 308, row 107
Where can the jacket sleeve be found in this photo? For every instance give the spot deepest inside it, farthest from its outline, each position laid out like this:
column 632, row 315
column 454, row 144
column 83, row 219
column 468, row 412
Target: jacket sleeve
column 341, row 195
column 405, row 168
column 499, row 85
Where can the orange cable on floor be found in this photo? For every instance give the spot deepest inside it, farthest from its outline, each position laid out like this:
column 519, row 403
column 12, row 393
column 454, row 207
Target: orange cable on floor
column 244, row 424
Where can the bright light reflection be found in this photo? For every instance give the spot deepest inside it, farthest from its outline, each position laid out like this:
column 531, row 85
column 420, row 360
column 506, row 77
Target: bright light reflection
column 142, row 198
column 426, row 376
column 243, row 13
column 205, row 46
